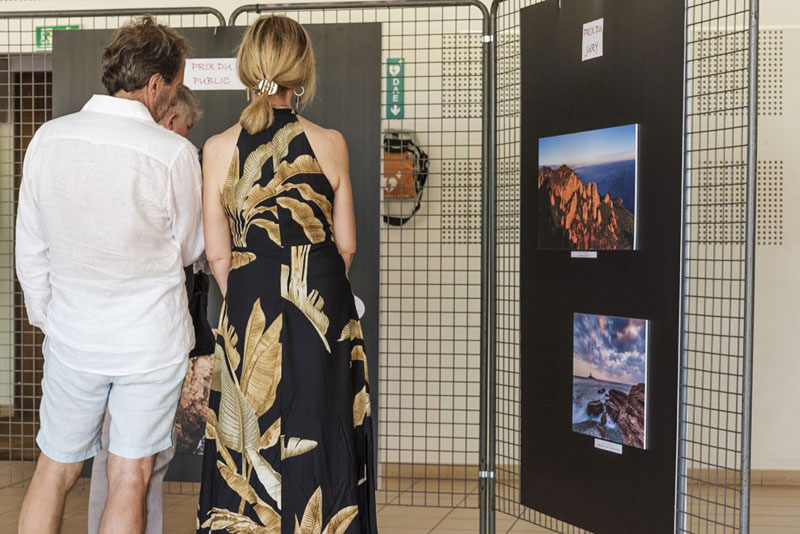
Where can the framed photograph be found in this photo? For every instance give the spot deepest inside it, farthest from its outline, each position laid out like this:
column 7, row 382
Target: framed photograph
column 609, row 378
column 587, row 190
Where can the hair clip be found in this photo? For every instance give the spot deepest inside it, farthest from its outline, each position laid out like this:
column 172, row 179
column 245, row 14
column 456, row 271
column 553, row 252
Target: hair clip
column 266, row 86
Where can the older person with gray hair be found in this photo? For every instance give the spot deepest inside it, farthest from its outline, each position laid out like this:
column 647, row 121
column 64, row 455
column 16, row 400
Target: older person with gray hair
column 184, row 114
column 179, row 119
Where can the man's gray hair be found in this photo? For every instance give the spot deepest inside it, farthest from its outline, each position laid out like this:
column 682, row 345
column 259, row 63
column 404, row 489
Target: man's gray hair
column 188, row 105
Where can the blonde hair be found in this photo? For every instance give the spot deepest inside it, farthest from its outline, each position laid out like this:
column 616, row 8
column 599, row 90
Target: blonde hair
column 277, row 49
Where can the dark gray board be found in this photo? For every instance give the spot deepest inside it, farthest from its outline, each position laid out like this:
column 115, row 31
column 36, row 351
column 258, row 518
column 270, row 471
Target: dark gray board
column 76, row 74
column 639, row 79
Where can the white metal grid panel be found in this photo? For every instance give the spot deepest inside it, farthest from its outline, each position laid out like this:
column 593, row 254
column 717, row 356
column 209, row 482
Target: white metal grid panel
column 430, row 267
column 717, row 89
column 509, row 409
column 714, row 304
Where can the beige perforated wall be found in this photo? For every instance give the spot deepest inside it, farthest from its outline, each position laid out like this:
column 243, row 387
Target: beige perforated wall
column 776, row 397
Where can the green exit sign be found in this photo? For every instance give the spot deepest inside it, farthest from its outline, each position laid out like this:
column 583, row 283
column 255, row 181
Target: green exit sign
column 44, row 35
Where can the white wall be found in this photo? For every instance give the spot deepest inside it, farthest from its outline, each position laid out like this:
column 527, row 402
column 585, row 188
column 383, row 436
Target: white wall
column 776, row 417
column 780, row 12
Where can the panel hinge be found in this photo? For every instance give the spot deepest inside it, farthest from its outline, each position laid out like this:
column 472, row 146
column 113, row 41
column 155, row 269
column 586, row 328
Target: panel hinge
column 488, row 38
column 486, row 474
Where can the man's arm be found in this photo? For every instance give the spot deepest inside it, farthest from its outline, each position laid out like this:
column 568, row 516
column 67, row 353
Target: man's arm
column 185, row 205
column 31, row 247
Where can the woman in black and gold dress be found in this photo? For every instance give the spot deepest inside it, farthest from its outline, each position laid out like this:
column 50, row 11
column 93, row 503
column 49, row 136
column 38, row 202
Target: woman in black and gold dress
column 288, row 440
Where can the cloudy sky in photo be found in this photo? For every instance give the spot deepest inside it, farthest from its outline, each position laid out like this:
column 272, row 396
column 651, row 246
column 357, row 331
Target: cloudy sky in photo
column 613, row 349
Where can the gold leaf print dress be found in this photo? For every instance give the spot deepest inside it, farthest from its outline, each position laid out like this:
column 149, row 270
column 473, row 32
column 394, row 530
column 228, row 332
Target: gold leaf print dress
column 288, row 445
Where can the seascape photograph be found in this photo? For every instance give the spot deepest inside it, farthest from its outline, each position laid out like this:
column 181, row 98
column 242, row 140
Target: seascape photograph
column 609, row 378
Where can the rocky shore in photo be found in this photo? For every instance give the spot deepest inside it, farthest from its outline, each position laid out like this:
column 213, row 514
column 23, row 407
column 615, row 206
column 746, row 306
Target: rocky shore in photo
column 627, row 412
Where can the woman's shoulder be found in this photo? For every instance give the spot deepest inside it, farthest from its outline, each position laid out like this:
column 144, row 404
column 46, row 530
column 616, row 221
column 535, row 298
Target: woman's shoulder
column 327, row 139
column 218, row 151
column 222, row 142
column 330, row 148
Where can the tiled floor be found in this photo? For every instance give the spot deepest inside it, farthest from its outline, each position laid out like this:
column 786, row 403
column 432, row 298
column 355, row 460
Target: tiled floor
column 776, row 510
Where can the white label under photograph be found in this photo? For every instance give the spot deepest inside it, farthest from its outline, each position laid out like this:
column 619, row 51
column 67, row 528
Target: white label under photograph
column 592, row 39
column 604, row 445
column 585, row 254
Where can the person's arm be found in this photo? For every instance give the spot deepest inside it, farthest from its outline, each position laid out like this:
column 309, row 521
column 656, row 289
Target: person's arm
column 31, row 248
column 216, row 163
column 344, row 217
column 184, row 206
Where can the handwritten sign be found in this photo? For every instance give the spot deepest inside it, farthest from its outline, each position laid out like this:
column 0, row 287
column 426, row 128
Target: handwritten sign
column 212, row 74
column 592, row 39
column 395, row 82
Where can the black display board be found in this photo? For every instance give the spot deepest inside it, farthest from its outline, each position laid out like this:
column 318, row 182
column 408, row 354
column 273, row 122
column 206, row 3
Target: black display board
column 343, row 53
column 639, row 79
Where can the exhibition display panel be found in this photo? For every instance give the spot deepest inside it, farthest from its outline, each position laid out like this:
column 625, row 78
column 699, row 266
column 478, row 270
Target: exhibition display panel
column 581, row 189
column 712, row 354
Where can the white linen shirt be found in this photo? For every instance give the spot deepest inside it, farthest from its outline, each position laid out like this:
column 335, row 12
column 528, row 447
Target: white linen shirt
column 109, row 214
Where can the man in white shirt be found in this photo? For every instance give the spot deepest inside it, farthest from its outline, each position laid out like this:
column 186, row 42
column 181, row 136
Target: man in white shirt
column 109, row 214
column 180, row 119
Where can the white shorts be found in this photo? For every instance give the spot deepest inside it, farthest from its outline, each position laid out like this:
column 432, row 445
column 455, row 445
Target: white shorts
column 142, row 409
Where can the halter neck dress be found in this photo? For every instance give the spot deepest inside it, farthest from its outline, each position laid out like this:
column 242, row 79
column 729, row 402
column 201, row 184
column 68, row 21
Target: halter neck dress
column 288, row 445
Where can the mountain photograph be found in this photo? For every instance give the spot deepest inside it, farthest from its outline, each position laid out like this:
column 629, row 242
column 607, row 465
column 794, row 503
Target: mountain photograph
column 587, row 190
